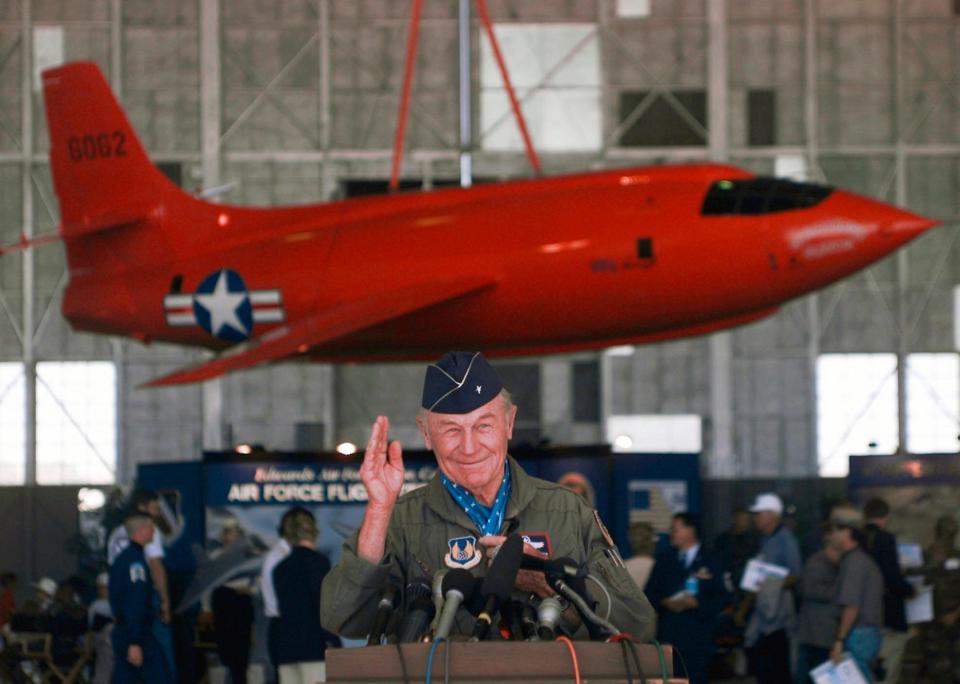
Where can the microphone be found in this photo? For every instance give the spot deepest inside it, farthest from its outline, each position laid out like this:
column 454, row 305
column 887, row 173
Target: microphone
column 388, row 601
column 458, row 584
column 548, row 617
column 528, row 623
column 574, row 589
column 437, row 596
column 561, row 567
column 498, row 583
column 420, row 612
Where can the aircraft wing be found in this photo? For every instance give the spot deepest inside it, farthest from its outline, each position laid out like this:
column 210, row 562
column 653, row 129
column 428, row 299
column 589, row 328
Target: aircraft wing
column 327, row 325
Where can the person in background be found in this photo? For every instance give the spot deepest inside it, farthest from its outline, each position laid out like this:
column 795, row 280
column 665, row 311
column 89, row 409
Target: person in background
column 146, row 502
column 882, row 546
column 643, row 541
column 34, row 615
column 818, row 614
column 940, row 637
column 280, row 550
column 137, row 654
column 859, row 596
column 232, row 606
column 301, row 640
column 8, row 592
column 686, row 588
column 772, row 612
column 736, row 546
column 99, row 613
column 578, row 483
column 100, row 622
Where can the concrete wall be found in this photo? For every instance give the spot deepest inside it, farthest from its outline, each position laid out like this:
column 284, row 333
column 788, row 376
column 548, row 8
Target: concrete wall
column 270, row 58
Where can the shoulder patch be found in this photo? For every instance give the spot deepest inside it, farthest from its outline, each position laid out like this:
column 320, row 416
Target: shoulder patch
column 138, row 573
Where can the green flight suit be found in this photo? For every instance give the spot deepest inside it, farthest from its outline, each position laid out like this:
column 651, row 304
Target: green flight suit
column 426, row 519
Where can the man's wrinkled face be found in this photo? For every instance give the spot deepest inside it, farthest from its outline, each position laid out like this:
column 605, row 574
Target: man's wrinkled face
column 471, row 447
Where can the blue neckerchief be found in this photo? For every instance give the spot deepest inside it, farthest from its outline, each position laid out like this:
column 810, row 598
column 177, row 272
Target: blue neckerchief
column 487, row 519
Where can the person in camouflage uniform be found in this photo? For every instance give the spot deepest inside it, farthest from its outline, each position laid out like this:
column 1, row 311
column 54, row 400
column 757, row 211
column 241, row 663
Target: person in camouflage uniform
column 941, row 637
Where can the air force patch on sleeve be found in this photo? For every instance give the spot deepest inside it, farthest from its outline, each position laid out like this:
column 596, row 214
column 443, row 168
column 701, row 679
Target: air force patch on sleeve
column 463, row 553
column 138, row 573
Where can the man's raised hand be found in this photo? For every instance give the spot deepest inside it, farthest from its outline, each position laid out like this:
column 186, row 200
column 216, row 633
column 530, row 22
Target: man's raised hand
column 382, row 469
column 382, row 475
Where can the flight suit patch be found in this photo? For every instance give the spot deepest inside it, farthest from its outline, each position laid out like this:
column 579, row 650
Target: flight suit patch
column 539, row 541
column 463, row 553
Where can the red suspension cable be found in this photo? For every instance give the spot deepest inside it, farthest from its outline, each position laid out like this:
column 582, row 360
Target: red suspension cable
column 514, row 104
column 405, row 96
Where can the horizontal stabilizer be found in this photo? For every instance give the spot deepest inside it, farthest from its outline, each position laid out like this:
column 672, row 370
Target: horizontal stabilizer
column 300, row 337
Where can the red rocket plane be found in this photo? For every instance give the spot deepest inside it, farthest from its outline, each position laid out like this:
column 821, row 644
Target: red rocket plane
column 558, row 264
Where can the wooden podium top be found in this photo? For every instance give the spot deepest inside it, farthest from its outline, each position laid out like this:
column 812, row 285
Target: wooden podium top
column 503, row 662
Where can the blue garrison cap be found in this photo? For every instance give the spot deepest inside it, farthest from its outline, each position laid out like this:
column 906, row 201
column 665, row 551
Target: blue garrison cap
column 460, row 382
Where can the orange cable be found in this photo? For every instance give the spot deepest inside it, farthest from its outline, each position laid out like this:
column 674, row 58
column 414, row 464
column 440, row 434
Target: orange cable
column 573, row 656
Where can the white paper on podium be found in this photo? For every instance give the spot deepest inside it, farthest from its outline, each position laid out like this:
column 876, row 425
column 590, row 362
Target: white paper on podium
column 844, row 672
column 920, row 607
column 757, row 571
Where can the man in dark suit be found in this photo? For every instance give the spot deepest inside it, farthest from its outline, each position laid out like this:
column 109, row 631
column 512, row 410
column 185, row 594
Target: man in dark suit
column 882, row 546
column 686, row 588
column 301, row 642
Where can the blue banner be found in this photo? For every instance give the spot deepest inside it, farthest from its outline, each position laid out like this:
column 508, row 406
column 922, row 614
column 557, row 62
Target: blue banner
column 289, row 484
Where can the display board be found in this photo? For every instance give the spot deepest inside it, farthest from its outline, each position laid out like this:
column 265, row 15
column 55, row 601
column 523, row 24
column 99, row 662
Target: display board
column 918, row 488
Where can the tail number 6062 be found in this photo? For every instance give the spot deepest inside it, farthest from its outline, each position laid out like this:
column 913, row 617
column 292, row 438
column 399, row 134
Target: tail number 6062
column 97, row 146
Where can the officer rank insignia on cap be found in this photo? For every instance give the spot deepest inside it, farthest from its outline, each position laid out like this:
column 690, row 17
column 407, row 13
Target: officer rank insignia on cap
column 460, row 382
column 463, row 553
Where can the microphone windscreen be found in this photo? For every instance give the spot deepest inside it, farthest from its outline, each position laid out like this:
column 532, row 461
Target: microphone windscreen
column 503, row 571
column 417, row 593
column 460, row 580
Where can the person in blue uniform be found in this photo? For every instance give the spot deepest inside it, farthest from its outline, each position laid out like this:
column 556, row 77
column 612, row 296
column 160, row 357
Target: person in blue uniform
column 138, row 656
column 686, row 588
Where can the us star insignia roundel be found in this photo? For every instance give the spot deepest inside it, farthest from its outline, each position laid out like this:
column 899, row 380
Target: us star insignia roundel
column 463, row 553
column 224, row 307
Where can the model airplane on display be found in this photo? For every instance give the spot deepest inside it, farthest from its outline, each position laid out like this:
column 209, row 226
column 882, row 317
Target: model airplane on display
column 538, row 266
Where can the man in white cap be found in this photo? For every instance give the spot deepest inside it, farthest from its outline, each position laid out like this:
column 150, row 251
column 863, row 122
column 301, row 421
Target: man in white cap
column 773, row 611
column 479, row 495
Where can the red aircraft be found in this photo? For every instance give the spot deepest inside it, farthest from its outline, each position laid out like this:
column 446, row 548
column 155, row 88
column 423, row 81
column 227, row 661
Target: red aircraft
column 539, row 266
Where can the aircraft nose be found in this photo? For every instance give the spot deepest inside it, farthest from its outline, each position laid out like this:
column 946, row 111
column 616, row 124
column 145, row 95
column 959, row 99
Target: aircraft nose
column 904, row 225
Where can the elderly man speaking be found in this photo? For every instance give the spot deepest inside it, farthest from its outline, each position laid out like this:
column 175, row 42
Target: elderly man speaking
column 479, row 495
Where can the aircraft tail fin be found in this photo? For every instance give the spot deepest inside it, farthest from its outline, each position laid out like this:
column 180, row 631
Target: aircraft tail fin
column 101, row 172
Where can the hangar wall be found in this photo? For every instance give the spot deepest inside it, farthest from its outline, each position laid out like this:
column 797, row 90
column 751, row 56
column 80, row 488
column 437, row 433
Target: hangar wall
column 865, row 91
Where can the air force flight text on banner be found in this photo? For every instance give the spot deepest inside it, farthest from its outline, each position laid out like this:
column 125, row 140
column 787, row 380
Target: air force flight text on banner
column 238, row 484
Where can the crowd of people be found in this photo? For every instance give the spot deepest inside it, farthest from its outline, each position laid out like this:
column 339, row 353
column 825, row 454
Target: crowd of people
column 846, row 600
column 751, row 592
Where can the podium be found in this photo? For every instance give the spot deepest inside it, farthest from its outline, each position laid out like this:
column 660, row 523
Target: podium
column 504, row 662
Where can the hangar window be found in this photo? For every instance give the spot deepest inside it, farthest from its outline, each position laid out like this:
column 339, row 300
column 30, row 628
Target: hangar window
column 667, row 118
column 761, row 117
column 933, row 403
column 555, row 70
column 761, row 195
column 76, row 422
column 13, row 423
column 856, row 408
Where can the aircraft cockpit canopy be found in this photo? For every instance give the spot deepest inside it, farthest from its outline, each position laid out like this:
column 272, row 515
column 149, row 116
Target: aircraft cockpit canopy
column 761, row 195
